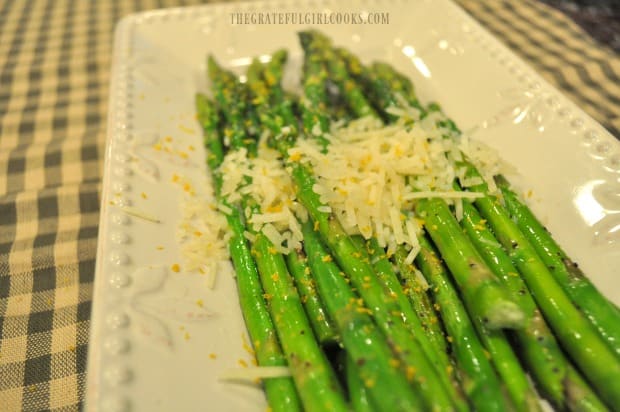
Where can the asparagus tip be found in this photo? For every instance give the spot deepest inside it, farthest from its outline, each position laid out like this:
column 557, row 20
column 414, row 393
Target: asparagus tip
column 305, row 38
column 501, row 181
column 280, row 55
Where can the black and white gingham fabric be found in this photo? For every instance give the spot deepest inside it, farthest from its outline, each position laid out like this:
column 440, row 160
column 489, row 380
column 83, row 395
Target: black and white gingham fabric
column 54, row 74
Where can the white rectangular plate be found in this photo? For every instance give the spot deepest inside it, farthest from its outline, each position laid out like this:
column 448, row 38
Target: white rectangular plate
column 160, row 338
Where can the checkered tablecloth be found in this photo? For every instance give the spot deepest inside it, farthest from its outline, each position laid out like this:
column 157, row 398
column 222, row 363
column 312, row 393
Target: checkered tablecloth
column 55, row 58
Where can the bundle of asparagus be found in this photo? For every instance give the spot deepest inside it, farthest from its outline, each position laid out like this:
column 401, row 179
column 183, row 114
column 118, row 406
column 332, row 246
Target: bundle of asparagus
column 456, row 317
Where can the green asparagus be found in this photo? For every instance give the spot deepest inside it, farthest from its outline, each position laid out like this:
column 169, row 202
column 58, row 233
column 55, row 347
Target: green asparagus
column 578, row 337
column 321, row 323
column 420, row 300
column 601, row 312
column 281, row 393
column 384, row 307
column 496, row 343
column 346, row 290
column 452, row 126
column 387, row 386
column 360, row 401
column 480, row 382
column 557, row 379
column 432, row 350
column 314, row 378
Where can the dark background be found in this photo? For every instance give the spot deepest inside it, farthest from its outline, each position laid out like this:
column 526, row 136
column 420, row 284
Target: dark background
column 600, row 18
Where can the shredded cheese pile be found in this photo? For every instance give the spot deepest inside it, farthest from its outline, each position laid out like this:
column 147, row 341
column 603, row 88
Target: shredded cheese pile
column 372, row 175
column 268, row 185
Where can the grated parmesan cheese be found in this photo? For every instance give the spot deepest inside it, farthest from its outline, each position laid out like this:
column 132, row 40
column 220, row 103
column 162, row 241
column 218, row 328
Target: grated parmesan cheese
column 421, row 280
column 265, row 181
column 132, row 211
column 372, row 175
column 370, row 179
column 202, row 232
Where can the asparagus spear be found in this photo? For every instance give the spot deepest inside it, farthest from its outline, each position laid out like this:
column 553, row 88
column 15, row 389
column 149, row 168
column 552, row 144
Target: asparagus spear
column 281, row 393
column 595, row 359
column 209, row 119
column 315, row 118
column 380, row 93
column 382, row 86
column 230, row 94
column 316, row 44
column 273, row 76
column 398, row 82
column 386, row 384
column 314, row 378
column 600, row 311
column 420, row 300
column 257, row 87
column 383, row 268
column 436, row 344
column 261, row 93
column 556, row 377
column 360, row 400
column 322, row 324
column 482, row 292
column 479, row 380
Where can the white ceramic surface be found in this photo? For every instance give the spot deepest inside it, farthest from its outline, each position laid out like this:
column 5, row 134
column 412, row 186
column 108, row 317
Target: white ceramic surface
column 160, row 339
